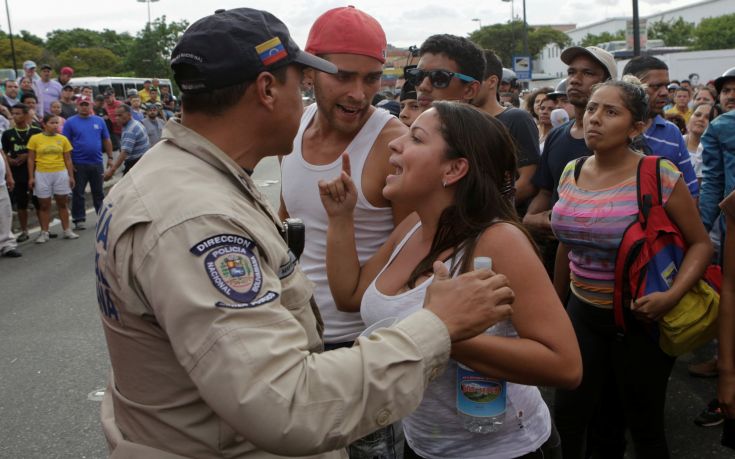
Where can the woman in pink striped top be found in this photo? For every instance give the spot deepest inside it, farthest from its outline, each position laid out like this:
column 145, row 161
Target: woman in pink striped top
column 597, row 201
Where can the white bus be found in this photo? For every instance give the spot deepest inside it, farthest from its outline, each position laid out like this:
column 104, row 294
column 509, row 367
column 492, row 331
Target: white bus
column 119, row 84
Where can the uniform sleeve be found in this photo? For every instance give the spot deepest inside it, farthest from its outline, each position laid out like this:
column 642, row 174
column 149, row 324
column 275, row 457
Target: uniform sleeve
column 243, row 335
column 669, row 174
column 525, row 133
column 713, row 176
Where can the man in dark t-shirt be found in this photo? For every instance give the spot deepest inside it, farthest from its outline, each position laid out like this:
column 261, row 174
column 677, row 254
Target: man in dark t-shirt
column 519, row 123
column 587, row 67
column 15, row 145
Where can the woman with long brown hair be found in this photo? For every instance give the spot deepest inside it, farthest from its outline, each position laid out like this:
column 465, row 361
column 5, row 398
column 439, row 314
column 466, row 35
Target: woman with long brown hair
column 454, row 168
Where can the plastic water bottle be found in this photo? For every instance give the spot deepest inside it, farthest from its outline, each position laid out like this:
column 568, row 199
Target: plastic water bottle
column 480, row 400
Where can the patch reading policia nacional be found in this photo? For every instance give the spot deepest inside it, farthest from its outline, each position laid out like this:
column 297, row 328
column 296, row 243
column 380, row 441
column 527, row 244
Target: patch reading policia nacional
column 234, row 270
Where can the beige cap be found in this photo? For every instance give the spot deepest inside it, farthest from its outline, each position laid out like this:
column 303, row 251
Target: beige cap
column 600, row 55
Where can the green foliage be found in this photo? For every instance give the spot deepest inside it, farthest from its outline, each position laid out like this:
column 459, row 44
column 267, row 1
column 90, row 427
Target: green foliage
column 23, row 51
column 716, row 33
column 673, row 32
column 507, row 39
column 91, row 61
column 150, row 55
column 30, row 38
column 594, row 40
column 59, row 41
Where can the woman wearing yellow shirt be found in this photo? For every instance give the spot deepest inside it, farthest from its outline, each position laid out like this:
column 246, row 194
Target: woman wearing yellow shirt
column 50, row 174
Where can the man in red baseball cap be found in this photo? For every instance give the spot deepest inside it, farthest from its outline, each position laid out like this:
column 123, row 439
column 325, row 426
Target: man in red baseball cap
column 342, row 121
column 65, row 75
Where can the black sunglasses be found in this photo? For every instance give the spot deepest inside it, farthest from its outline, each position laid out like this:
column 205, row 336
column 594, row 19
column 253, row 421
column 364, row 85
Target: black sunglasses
column 439, row 79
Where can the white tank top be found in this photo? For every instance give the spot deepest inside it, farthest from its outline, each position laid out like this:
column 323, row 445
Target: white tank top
column 373, row 224
column 434, row 431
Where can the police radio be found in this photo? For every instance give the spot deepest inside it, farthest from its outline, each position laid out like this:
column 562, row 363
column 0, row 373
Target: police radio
column 295, row 233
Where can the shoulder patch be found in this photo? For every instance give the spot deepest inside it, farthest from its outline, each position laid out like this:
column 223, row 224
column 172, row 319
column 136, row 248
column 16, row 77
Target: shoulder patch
column 233, row 269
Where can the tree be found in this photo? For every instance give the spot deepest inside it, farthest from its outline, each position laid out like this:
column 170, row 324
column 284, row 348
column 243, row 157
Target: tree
column 715, row 33
column 91, row 61
column 507, row 39
column 594, row 40
column 23, row 51
column 673, row 32
column 59, row 41
column 30, row 38
column 151, row 52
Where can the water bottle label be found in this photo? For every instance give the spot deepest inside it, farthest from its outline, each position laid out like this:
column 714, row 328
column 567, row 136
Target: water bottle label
column 479, row 396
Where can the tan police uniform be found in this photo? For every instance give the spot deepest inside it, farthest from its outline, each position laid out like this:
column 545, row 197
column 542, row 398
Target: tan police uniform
column 212, row 335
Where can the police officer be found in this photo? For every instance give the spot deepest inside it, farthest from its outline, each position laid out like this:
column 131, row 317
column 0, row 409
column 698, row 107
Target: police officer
column 213, row 337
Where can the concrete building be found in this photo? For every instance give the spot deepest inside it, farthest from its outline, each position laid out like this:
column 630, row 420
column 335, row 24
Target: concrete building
column 548, row 66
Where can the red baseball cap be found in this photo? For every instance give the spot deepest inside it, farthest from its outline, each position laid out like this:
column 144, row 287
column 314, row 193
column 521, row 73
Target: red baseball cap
column 66, row 71
column 347, row 30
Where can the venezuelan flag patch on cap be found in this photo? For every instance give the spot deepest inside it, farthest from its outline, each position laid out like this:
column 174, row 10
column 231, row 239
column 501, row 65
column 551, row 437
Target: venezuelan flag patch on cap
column 271, row 51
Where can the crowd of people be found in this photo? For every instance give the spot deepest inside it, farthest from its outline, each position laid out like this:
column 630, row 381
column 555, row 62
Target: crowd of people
column 54, row 135
column 226, row 339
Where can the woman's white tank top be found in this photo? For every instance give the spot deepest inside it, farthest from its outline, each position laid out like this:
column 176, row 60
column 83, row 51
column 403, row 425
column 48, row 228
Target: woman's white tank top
column 434, row 430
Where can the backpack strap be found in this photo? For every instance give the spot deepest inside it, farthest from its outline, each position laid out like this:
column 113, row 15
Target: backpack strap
column 648, row 186
column 648, row 191
column 578, row 163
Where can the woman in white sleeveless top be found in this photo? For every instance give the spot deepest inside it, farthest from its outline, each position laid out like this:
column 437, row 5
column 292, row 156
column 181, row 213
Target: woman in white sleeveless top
column 453, row 168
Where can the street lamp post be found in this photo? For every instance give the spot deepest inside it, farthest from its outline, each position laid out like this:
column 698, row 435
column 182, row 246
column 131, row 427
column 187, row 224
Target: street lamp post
column 149, row 7
column 636, row 30
column 525, row 30
column 478, row 21
column 512, row 26
column 10, row 33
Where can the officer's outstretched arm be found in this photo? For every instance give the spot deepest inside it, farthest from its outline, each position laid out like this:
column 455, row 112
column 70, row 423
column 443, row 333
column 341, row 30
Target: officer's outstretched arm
column 238, row 316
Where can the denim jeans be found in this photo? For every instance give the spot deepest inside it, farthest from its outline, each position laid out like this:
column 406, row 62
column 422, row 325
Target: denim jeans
column 83, row 174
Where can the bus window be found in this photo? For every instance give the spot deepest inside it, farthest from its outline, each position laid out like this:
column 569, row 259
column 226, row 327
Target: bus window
column 119, row 91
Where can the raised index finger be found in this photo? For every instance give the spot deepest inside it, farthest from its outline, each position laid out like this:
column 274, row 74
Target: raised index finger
column 346, row 164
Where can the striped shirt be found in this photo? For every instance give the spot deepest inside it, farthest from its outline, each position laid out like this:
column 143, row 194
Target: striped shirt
column 591, row 224
column 665, row 140
column 134, row 140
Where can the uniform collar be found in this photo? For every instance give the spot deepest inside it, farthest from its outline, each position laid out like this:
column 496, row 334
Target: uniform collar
column 194, row 143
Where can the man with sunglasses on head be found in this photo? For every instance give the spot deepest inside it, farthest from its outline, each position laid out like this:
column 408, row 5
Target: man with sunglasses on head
column 519, row 123
column 449, row 68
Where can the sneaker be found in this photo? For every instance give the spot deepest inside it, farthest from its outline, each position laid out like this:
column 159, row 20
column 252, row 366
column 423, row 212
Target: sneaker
column 69, row 234
column 23, row 236
column 710, row 416
column 43, row 237
column 79, row 226
column 12, row 253
column 706, row 369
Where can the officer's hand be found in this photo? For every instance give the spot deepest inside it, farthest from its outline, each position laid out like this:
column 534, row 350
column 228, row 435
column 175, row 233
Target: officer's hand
column 339, row 195
column 470, row 303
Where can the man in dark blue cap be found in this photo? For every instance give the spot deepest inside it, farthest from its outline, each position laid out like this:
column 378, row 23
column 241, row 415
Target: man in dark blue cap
column 212, row 332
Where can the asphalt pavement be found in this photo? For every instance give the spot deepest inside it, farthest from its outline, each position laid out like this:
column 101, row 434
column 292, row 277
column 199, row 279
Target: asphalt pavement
column 53, row 357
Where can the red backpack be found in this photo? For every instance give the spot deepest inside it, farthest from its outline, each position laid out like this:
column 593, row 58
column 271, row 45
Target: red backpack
column 649, row 258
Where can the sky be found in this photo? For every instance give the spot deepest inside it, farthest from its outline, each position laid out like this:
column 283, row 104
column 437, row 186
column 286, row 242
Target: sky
column 406, row 22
